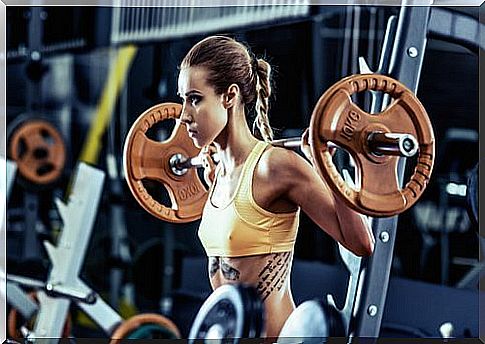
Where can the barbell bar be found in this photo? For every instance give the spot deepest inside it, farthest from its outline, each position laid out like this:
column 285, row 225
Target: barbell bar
column 379, row 143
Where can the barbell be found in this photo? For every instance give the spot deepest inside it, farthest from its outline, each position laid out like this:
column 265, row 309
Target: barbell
column 375, row 142
column 379, row 143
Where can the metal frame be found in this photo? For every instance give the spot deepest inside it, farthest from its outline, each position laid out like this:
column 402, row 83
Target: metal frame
column 401, row 58
column 63, row 285
column 406, row 59
column 402, row 61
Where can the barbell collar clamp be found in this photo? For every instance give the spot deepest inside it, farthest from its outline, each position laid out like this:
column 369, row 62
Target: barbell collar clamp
column 404, row 145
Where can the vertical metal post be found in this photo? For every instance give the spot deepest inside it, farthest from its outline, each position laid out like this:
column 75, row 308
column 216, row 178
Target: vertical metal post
column 166, row 301
column 35, row 34
column 406, row 58
column 31, row 244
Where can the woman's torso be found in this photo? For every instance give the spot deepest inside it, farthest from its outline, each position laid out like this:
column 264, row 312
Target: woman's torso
column 267, row 272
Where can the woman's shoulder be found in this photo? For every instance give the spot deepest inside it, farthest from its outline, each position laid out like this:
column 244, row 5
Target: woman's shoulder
column 277, row 163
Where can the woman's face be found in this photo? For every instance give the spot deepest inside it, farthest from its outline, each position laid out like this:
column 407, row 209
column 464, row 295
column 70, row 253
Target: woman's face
column 203, row 112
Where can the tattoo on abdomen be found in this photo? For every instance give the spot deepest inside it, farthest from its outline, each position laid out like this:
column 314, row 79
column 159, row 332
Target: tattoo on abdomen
column 229, row 272
column 213, row 265
column 274, row 274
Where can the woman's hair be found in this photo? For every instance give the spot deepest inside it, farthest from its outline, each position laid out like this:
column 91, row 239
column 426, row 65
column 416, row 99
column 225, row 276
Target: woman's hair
column 230, row 62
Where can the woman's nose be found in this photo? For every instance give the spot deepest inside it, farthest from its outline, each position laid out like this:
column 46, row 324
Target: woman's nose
column 185, row 117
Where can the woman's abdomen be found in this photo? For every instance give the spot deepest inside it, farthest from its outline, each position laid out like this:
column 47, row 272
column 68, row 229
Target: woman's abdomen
column 268, row 274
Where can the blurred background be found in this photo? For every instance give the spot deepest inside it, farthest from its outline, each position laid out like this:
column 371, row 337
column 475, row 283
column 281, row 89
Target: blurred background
column 59, row 61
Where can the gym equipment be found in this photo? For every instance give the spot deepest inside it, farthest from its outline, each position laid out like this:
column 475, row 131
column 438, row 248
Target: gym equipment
column 39, row 151
column 401, row 58
column 337, row 119
column 476, row 273
column 372, row 143
column 231, row 312
column 404, row 304
column 125, row 24
column 146, row 326
column 15, row 326
column 145, row 158
column 118, row 26
column 312, row 322
column 472, row 196
column 104, row 111
column 101, row 123
column 14, row 295
column 63, row 285
column 78, row 217
column 11, row 169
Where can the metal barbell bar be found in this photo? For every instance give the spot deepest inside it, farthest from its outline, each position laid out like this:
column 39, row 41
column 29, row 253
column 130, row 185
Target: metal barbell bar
column 379, row 143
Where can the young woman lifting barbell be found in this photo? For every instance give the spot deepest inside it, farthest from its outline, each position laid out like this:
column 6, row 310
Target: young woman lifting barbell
column 250, row 220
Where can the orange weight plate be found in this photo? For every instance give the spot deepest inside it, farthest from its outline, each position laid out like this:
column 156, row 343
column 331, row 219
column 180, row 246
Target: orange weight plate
column 13, row 324
column 146, row 159
column 338, row 119
column 129, row 326
column 39, row 151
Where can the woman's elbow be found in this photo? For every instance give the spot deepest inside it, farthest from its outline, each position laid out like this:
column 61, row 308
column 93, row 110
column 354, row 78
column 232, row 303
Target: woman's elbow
column 364, row 249
column 368, row 248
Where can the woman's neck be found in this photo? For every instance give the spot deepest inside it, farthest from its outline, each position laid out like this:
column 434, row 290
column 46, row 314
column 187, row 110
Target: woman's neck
column 235, row 142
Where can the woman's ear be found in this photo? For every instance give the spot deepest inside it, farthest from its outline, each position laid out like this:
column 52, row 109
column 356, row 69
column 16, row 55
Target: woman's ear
column 232, row 96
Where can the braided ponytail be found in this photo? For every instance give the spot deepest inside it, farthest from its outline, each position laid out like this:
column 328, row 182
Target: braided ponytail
column 263, row 91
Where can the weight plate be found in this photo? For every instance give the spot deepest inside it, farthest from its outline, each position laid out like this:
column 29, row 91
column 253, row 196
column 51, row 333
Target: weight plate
column 230, row 313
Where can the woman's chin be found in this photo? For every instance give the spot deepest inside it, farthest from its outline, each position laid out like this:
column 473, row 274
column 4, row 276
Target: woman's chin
column 198, row 143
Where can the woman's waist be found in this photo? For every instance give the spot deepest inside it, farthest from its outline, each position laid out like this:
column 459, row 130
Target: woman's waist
column 267, row 273
column 277, row 297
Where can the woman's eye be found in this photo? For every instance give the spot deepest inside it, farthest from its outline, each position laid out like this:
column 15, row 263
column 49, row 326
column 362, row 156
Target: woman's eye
column 194, row 99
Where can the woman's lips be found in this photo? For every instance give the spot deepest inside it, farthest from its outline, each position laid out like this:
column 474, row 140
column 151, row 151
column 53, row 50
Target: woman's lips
column 192, row 133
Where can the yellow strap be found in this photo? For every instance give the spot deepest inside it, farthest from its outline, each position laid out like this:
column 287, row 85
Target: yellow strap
column 116, row 79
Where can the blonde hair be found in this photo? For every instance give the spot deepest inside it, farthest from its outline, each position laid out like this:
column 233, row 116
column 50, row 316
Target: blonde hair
column 263, row 92
column 252, row 75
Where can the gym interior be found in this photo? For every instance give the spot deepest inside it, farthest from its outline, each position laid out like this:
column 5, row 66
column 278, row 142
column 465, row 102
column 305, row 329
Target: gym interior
column 84, row 255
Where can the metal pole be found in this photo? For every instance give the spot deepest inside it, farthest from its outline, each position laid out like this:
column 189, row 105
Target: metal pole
column 406, row 58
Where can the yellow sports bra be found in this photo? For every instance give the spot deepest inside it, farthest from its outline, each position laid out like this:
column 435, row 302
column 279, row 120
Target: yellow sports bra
column 241, row 227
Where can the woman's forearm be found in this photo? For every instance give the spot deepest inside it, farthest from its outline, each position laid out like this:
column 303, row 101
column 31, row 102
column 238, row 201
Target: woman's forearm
column 356, row 232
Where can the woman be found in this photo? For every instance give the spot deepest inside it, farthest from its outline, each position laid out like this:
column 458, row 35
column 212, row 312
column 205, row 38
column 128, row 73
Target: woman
column 249, row 223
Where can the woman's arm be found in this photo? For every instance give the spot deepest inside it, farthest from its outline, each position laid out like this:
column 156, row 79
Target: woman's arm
column 304, row 187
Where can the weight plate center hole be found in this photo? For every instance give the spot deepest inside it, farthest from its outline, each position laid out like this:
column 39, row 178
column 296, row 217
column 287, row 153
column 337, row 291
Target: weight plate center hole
column 40, row 153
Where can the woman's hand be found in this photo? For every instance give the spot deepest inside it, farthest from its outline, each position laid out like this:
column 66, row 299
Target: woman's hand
column 305, row 147
column 208, row 163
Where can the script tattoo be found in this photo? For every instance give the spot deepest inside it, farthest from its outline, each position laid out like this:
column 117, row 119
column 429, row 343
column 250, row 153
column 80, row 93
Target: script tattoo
column 274, row 274
column 229, row 272
column 213, row 266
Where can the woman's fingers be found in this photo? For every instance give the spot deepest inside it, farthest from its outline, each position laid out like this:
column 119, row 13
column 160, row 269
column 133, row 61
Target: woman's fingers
column 208, row 163
column 305, row 147
column 304, row 137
